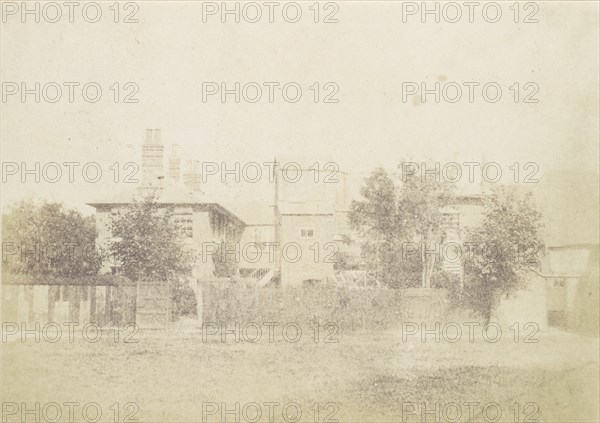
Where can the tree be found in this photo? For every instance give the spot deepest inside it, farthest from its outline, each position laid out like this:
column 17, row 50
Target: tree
column 502, row 251
column 47, row 240
column 150, row 247
column 377, row 222
column 420, row 207
column 149, row 244
column 392, row 217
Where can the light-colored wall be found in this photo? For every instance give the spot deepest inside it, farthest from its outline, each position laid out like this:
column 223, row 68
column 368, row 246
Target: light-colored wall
column 571, row 262
column 310, row 265
column 203, row 233
column 103, row 230
column 252, row 237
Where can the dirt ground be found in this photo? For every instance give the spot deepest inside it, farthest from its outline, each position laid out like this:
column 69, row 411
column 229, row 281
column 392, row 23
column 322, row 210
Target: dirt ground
column 178, row 376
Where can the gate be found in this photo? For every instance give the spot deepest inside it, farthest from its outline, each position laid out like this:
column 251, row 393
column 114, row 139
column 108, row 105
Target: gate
column 153, row 305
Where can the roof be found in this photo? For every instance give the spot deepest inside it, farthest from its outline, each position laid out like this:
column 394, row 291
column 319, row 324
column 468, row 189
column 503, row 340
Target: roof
column 588, row 246
column 170, row 194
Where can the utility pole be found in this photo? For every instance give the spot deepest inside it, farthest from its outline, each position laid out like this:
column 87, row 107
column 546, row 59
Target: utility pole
column 277, row 220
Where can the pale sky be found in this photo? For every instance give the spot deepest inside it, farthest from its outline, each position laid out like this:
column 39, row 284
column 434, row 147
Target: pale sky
column 368, row 54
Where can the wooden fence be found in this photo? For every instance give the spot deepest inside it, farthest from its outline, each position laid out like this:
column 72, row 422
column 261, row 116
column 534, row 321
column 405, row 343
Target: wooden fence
column 149, row 305
column 103, row 305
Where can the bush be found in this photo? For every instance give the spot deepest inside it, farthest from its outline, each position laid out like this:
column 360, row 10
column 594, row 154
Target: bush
column 184, row 301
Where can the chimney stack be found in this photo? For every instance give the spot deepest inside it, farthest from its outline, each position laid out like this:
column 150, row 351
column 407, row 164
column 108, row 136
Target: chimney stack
column 174, row 164
column 191, row 177
column 152, row 159
column 149, row 136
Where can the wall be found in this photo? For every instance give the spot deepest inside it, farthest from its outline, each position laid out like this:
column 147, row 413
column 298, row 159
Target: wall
column 575, row 304
column 258, row 234
column 203, row 233
column 315, row 254
column 568, row 261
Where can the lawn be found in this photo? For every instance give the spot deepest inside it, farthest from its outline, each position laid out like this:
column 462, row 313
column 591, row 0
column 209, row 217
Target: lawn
column 365, row 377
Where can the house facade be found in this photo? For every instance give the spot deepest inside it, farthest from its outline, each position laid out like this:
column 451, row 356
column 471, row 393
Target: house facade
column 572, row 278
column 292, row 240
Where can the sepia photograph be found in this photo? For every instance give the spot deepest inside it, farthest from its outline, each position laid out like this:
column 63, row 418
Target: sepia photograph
column 310, row 211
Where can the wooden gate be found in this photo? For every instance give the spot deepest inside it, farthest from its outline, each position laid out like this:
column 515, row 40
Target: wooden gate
column 153, row 305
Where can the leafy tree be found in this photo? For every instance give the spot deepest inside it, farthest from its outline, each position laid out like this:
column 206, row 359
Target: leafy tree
column 377, row 222
column 420, row 206
column 502, row 251
column 391, row 217
column 47, row 240
column 150, row 245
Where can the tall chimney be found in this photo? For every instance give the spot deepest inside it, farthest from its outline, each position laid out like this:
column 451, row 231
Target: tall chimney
column 152, row 159
column 174, row 164
column 149, row 136
column 191, row 177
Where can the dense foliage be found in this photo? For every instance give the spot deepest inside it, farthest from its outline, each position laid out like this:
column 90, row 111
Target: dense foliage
column 393, row 216
column 47, row 240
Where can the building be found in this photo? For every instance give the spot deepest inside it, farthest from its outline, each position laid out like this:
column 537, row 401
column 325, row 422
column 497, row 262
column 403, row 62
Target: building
column 464, row 212
column 572, row 275
column 292, row 240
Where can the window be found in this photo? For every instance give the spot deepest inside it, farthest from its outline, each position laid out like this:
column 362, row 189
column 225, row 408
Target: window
column 183, row 222
column 307, row 233
column 450, row 220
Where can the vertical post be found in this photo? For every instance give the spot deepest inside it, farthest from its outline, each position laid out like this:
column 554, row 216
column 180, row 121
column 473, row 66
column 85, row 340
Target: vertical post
column 93, row 317
column 135, row 302
column 108, row 320
column 277, row 222
column 199, row 301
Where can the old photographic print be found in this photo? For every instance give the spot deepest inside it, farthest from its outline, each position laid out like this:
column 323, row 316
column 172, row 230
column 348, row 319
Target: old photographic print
column 309, row 211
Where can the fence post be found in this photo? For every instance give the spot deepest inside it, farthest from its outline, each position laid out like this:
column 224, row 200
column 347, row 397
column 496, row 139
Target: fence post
column 364, row 312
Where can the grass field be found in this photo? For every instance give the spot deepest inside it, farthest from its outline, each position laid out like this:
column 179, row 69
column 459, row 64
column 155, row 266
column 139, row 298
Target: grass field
column 365, row 377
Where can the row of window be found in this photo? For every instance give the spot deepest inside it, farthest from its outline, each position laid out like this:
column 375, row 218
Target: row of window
column 184, row 224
